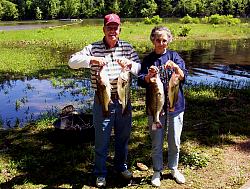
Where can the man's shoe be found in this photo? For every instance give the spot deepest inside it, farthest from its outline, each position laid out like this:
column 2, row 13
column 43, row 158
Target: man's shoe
column 100, row 182
column 178, row 176
column 156, row 179
column 126, row 174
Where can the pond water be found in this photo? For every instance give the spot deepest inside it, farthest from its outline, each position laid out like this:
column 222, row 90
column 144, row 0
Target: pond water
column 28, row 25
column 223, row 63
column 27, row 100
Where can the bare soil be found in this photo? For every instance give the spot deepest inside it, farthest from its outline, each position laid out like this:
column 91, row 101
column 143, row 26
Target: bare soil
column 229, row 169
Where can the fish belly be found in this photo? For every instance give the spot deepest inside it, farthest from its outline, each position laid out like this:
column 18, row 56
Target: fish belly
column 156, row 102
column 104, row 91
column 173, row 90
column 123, row 89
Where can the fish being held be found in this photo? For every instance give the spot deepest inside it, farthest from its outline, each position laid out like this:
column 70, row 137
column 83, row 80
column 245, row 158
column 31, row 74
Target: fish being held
column 123, row 88
column 173, row 89
column 156, row 100
column 103, row 90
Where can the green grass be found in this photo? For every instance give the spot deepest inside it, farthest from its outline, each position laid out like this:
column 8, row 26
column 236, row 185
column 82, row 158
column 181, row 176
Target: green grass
column 45, row 52
column 38, row 157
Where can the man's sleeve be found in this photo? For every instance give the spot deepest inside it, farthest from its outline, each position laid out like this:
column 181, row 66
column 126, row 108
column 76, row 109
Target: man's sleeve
column 81, row 59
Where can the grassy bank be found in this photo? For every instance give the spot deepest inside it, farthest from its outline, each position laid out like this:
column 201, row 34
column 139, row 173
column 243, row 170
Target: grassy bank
column 44, row 52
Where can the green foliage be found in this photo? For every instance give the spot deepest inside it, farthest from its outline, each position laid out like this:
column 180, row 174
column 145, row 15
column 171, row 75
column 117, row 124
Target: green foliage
column 185, row 29
column 52, row 9
column 8, row 10
column 222, row 19
column 150, row 9
column 189, row 20
column 213, row 19
column 166, row 8
column 194, row 160
column 71, row 8
column 154, row 20
column 38, row 13
column 205, row 20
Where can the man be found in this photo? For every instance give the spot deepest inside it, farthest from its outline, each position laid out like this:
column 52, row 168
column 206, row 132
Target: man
column 115, row 55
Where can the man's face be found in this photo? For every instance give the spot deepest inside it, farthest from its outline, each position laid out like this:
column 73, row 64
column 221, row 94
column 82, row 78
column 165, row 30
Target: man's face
column 111, row 32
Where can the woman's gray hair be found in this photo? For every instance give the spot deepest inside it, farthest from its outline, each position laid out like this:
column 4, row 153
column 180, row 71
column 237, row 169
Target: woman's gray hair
column 159, row 30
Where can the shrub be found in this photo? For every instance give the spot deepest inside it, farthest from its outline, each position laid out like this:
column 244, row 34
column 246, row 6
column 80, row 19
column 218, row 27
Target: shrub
column 184, row 30
column 223, row 19
column 189, row 20
column 194, row 160
column 154, row 20
column 205, row 20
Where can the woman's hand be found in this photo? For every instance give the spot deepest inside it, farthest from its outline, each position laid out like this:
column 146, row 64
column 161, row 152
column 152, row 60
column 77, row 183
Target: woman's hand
column 170, row 64
column 152, row 71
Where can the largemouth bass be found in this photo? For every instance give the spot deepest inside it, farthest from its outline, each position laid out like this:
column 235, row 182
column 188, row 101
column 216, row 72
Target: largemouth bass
column 103, row 90
column 156, row 100
column 173, row 89
column 123, row 89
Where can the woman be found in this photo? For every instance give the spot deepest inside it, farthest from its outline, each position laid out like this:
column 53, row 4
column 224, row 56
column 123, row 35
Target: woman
column 165, row 63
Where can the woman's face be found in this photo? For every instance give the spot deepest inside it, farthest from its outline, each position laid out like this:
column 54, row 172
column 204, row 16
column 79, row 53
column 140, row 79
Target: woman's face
column 160, row 42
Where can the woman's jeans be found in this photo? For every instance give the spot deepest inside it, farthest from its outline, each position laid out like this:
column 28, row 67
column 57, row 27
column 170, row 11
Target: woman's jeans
column 174, row 130
column 103, row 128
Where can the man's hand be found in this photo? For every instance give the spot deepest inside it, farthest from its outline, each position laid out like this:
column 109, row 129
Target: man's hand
column 100, row 61
column 125, row 63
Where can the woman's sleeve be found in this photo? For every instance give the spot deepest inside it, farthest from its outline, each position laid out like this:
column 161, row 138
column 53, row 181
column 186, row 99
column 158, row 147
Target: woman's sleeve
column 181, row 63
column 142, row 74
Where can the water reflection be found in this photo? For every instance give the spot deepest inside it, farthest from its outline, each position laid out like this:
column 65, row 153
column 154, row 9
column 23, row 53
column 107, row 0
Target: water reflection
column 219, row 62
column 28, row 25
column 23, row 101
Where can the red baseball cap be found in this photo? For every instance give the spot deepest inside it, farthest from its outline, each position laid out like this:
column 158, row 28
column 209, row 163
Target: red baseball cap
column 111, row 18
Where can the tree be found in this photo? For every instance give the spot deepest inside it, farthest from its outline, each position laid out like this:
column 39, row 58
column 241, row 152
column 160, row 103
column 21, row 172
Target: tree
column 214, row 7
column 53, row 8
column 228, row 7
column 1, row 11
column 87, row 8
column 8, row 10
column 38, row 13
column 71, row 8
column 185, row 7
column 128, row 8
column 165, row 8
column 100, row 8
column 150, row 9
column 113, row 6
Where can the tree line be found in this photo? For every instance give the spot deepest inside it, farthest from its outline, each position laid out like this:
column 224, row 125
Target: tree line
column 61, row 9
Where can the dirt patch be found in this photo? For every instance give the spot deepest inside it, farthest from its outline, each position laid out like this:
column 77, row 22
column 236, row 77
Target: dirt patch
column 230, row 168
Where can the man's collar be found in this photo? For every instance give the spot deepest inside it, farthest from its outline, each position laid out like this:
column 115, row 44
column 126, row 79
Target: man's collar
column 106, row 44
